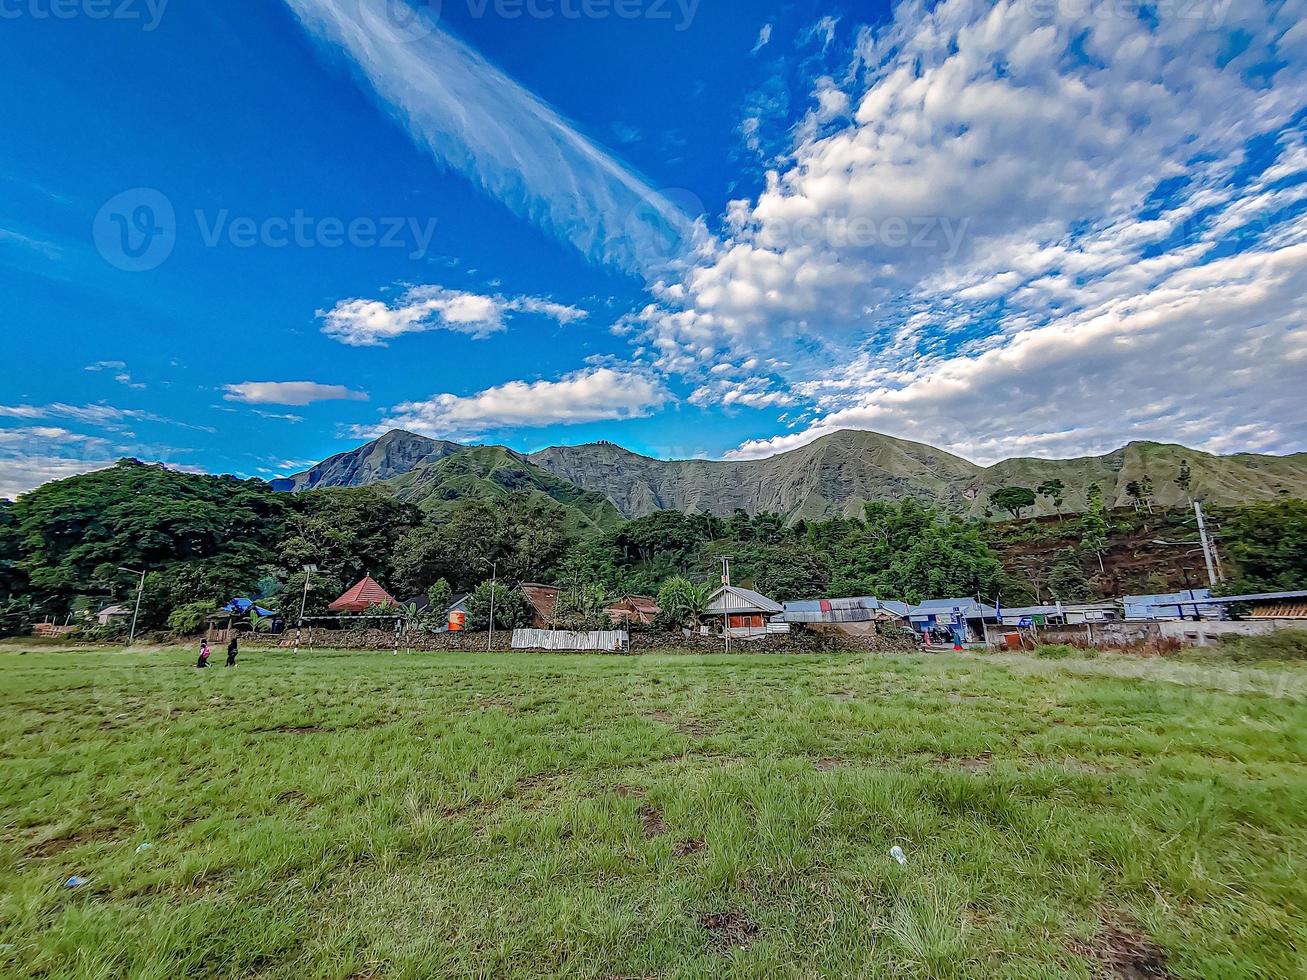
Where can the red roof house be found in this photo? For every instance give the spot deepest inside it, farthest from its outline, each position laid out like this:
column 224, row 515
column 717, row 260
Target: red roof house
column 633, row 609
column 363, row 596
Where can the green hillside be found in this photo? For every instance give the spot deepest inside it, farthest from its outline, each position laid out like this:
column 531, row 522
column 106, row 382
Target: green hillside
column 834, row 475
column 491, row 473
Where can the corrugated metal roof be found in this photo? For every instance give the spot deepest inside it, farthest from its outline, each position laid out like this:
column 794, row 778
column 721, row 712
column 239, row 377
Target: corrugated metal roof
column 732, row 599
column 1259, row 597
column 970, row 608
column 859, row 609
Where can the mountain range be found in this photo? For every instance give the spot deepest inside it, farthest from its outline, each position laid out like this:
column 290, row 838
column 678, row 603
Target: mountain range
column 602, row 483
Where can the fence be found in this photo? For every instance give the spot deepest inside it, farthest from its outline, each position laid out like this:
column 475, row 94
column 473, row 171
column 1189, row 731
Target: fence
column 602, row 641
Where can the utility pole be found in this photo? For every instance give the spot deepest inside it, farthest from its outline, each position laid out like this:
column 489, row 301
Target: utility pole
column 1207, row 546
column 726, row 616
column 309, row 571
column 494, row 573
column 137, row 611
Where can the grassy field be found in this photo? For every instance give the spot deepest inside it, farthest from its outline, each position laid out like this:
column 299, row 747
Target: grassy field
column 364, row 815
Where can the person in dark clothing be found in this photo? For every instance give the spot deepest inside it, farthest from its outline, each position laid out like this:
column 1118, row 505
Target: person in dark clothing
column 231, row 652
column 204, row 654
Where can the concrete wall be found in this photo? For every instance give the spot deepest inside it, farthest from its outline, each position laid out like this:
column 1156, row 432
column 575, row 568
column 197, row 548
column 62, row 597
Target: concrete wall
column 1188, row 632
column 1206, row 634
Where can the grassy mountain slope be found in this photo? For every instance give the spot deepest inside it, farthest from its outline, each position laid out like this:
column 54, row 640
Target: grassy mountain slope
column 394, row 454
column 840, row 472
column 836, row 474
column 492, row 472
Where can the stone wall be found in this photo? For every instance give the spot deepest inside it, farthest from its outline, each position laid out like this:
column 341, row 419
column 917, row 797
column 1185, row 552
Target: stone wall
column 642, row 641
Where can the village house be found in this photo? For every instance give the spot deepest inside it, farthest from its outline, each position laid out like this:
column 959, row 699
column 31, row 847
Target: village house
column 1062, row 614
column 858, row 615
column 745, row 613
column 542, row 599
column 965, row 619
column 638, row 609
column 112, row 614
column 363, row 596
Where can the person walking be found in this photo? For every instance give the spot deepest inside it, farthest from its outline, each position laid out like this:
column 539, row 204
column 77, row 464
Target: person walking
column 232, row 650
column 204, row 654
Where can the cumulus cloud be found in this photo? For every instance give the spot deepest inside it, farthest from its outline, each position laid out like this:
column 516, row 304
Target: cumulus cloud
column 1002, row 216
column 18, row 474
column 372, row 322
column 289, row 393
column 476, row 120
column 591, row 395
column 1214, row 356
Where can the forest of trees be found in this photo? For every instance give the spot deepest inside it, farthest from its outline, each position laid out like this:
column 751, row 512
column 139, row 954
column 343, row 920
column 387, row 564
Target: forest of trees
column 78, row 544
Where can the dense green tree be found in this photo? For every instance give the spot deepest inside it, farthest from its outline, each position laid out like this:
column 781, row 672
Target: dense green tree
column 511, row 608
column 1054, row 491
column 788, row 573
column 682, row 601
column 347, row 534
column 1184, row 478
column 1013, row 500
column 190, row 617
column 76, row 535
column 768, row 528
column 1268, row 543
column 581, row 607
column 440, row 597
column 1067, row 581
column 1093, row 524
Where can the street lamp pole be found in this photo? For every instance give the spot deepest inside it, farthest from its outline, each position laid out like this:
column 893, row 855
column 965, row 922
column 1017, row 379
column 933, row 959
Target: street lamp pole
column 136, row 612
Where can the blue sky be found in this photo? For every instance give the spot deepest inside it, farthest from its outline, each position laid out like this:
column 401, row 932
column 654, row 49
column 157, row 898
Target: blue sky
column 240, row 237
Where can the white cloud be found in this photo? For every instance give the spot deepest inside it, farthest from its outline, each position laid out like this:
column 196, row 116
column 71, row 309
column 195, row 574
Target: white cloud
column 476, row 120
column 1213, row 356
column 764, row 38
column 107, row 366
column 978, row 190
column 591, row 395
column 289, row 393
column 26, row 435
column 18, row 474
column 823, row 30
column 371, row 322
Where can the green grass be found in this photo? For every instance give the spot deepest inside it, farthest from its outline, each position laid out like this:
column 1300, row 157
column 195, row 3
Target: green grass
column 364, row 815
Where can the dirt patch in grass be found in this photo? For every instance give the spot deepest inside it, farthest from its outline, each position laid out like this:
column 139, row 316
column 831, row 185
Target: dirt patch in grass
column 1125, row 954
column 694, row 727
column 844, row 695
column 827, row 764
column 497, row 704
column 972, row 763
column 729, row 930
column 54, row 846
column 652, row 819
column 687, row 847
